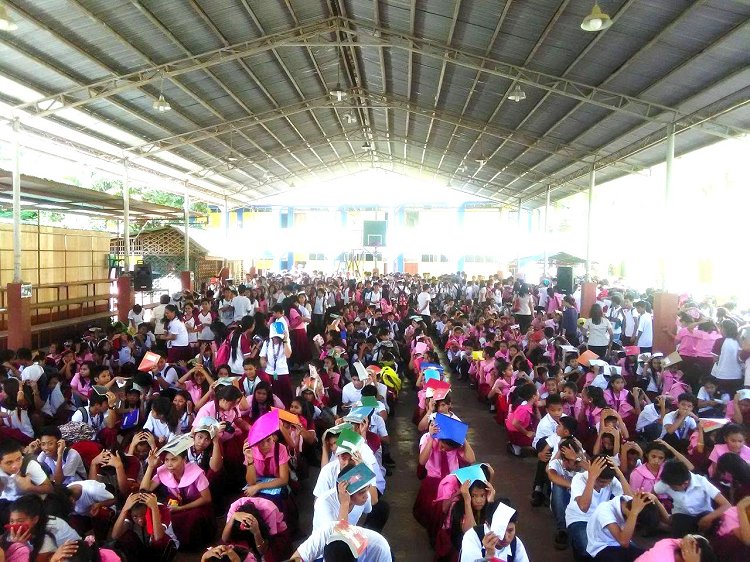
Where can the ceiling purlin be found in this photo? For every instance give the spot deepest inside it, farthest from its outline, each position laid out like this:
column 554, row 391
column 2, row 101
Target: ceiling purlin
column 393, row 102
column 474, row 83
column 513, row 84
column 178, row 83
column 115, row 84
column 288, row 74
column 630, row 105
column 384, row 79
column 223, row 40
column 156, row 22
column 62, row 72
column 313, row 60
column 685, row 121
column 441, row 78
column 379, row 136
column 410, row 70
column 721, row 107
column 238, row 125
column 597, row 37
column 349, row 57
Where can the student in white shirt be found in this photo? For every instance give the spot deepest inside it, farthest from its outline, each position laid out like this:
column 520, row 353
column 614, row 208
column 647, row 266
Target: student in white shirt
column 693, row 499
column 317, row 546
column 15, row 482
column 337, row 504
column 560, row 471
column 494, row 545
column 352, row 391
column 612, row 526
column 679, row 424
column 64, row 464
column 159, row 421
column 89, row 496
column 644, row 336
column 242, row 305
column 135, row 317
column 602, row 481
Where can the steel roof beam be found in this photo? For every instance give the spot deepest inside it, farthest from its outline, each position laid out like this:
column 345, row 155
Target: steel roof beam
column 287, row 73
column 316, row 66
column 441, row 78
column 385, row 137
column 410, row 69
column 614, row 101
column 66, row 74
column 238, row 125
column 717, row 109
column 653, row 41
column 114, row 85
column 353, row 70
column 648, row 111
column 176, row 41
column 177, row 83
column 692, row 120
column 474, row 83
column 527, row 60
column 384, row 78
column 596, row 38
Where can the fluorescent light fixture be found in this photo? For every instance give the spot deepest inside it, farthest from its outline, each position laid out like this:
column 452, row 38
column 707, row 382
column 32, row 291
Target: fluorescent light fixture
column 596, row 20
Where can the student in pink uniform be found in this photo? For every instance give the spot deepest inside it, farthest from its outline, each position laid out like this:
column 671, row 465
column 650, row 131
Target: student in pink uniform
column 522, row 418
column 690, row 548
column 645, row 476
column 732, row 539
column 188, row 491
column 734, row 442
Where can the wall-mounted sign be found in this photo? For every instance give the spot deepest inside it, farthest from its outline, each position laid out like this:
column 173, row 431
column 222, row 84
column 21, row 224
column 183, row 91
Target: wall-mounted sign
column 26, row 290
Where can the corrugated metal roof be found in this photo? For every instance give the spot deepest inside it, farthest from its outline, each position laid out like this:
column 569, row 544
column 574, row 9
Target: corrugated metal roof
column 439, row 114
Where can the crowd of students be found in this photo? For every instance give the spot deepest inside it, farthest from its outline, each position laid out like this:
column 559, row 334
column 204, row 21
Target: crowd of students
column 639, row 455
column 132, row 443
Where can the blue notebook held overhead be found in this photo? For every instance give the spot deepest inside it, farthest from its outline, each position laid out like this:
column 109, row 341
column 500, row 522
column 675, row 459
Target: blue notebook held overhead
column 451, row 429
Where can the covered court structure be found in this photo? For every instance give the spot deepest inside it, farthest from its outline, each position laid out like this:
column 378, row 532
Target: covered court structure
column 229, row 102
column 519, row 103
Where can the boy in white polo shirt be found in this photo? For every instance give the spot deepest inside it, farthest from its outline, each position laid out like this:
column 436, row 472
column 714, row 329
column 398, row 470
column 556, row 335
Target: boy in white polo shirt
column 610, row 530
column 693, row 498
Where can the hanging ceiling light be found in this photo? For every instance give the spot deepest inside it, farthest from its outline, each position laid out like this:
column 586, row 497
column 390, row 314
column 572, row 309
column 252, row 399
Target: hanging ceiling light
column 367, row 146
column 337, row 93
column 596, row 20
column 517, row 94
column 160, row 104
column 6, row 23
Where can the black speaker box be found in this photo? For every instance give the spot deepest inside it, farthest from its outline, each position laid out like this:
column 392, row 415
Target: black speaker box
column 565, row 279
column 142, row 278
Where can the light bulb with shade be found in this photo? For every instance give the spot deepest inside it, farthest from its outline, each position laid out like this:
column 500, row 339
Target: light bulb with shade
column 595, row 24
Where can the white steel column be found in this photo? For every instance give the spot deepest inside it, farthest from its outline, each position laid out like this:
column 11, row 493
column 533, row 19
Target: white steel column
column 226, row 226
column 592, row 185
column 667, row 204
column 17, row 200
column 545, row 238
column 126, row 216
column 186, row 210
column 518, row 246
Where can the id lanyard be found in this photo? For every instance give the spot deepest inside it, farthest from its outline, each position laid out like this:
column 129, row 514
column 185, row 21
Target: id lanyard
column 276, row 358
